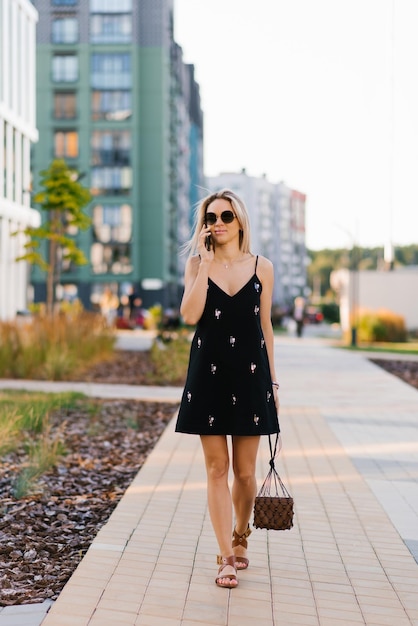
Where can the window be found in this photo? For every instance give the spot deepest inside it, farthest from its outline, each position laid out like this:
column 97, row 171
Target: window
column 111, row 147
column 111, row 71
column 111, row 28
column 110, row 6
column 65, row 30
column 66, row 3
column 66, row 144
column 64, row 68
column 111, row 259
column 111, row 180
column 111, row 105
column 64, row 105
column 112, row 223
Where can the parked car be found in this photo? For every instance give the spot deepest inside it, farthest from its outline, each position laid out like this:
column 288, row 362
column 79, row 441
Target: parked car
column 313, row 315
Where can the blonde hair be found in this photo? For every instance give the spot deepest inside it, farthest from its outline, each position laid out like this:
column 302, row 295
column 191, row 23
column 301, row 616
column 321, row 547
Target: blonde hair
column 238, row 207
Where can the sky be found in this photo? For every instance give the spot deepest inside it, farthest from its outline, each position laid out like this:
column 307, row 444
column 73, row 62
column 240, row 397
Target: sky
column 320, row 94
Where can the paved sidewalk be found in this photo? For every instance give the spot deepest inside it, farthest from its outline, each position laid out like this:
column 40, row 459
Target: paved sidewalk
column 350, row 459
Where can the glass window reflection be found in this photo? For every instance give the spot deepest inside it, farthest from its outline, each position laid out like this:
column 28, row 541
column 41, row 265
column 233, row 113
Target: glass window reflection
column 111, row 147
column 65, row 105
column 111, row 259
column 114, row 106
column 110, row 6
column 110, row 180
column 111, row 71
column 65, row 30
column 111, row 28
column 65, row 68
column 112, row 223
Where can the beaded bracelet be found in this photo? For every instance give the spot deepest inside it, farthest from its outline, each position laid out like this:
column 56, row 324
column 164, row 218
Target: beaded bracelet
column 274, row 384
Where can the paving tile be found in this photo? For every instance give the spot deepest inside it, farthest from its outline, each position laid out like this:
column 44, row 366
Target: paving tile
column 281, row 617
column 208, row 613
column 339, row 613
column 131, row 605
column 151, row 620
column 111, row 618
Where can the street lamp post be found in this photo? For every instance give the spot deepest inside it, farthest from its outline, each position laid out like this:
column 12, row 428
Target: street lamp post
column 354, row 285
column 354, row 292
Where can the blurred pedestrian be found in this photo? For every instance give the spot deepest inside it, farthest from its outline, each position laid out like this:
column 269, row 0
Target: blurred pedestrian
column 299, row 314
column 109, row 303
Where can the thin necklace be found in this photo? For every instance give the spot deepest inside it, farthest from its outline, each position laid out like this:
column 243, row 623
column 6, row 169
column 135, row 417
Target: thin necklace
column 229, row 264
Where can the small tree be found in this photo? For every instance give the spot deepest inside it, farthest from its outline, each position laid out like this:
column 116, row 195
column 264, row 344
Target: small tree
column 63, row 199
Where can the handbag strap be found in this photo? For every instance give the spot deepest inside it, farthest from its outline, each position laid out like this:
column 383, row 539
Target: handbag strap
column 273, row 484
column 274, row 452
column 273, row 477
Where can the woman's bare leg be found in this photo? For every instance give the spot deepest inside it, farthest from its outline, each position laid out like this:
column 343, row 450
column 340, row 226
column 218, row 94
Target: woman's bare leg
column 216, row 454
column 244, row 487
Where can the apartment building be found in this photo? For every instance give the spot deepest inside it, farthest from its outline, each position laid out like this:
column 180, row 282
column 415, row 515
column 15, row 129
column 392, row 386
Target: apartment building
column 117, row 102
column 18, row 20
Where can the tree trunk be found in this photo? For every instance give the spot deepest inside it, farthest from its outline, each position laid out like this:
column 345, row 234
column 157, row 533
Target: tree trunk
column 50, row 284
column 51, row 281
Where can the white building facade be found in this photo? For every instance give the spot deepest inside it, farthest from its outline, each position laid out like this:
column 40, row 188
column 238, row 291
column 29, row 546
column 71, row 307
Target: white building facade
column 18, row 20
column 375, row 289
column 277, row 217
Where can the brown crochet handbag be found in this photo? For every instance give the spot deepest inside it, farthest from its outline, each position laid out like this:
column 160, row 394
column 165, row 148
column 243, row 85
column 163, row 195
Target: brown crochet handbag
column 273, row 507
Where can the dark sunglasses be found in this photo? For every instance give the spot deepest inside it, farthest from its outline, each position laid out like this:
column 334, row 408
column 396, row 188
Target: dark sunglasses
column 226, row 216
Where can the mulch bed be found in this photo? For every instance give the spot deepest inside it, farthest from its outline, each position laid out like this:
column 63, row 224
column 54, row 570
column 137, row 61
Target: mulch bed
column 126, row 368
column 406, row 370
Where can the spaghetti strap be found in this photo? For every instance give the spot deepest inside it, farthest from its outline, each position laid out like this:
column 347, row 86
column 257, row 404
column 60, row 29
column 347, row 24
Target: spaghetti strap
column 256, row 261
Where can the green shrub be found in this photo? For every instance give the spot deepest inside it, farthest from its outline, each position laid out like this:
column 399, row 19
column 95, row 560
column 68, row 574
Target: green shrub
column 381, row 326
column 170, row 357
column 331, row 312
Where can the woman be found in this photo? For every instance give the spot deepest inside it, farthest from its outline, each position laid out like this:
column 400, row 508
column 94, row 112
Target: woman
column 231, row 386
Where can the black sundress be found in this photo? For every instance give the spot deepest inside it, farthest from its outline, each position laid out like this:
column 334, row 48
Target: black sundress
column 228, row 389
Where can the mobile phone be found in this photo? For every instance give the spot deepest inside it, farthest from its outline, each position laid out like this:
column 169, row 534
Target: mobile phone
column 208, row 241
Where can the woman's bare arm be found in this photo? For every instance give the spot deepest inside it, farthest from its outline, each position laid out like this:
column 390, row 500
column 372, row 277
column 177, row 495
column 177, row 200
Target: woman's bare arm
column 195, row 289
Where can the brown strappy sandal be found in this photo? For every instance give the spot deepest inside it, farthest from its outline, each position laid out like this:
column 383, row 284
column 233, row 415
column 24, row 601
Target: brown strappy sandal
column 224, row 561
column 241, row 540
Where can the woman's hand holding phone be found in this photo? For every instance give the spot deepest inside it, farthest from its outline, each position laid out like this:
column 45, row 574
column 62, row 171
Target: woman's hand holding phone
column 205, row 244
